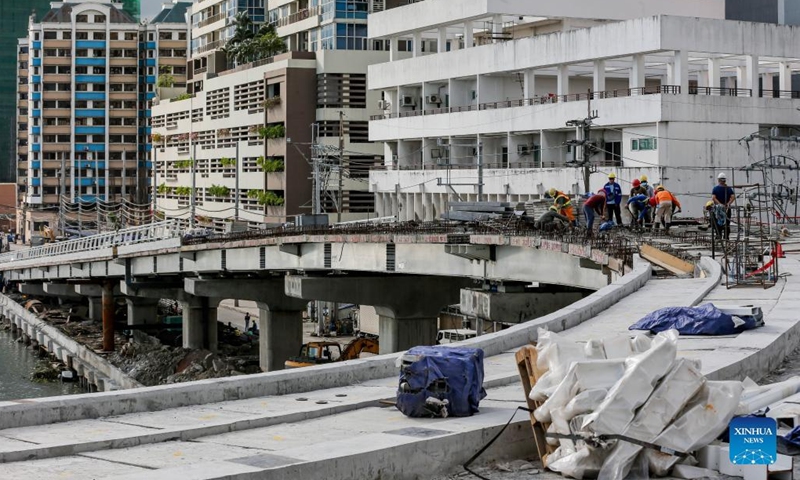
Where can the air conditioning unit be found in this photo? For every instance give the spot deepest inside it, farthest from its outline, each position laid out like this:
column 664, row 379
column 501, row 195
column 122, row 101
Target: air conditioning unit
column 383, row 105
column 407, row 101
column 433, row 99
column 523, row 150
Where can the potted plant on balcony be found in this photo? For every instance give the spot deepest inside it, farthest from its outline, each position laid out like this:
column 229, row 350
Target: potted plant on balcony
column 272, row 102
column 218, row 191
column 270, row 164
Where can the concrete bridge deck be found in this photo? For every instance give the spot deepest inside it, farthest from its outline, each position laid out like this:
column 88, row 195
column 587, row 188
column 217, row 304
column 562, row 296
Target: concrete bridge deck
column 280, row 436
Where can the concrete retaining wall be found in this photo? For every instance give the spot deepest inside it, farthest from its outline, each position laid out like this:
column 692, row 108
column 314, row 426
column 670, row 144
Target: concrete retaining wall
column 96, row 370
column 77, row 407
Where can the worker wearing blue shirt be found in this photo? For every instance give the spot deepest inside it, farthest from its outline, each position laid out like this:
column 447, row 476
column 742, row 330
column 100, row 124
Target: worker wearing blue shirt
column 613, row 198
column 723, row 196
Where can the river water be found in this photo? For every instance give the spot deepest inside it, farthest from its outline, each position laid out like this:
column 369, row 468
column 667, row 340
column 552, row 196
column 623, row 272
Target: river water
column 17, row 362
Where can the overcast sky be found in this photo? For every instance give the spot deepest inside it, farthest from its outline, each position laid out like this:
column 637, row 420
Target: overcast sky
column 150, row 8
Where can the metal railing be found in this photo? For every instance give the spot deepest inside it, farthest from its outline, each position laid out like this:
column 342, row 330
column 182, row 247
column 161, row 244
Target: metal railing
column 540, row 100
column 721, row 92
column 298, row 16
column 126, row 236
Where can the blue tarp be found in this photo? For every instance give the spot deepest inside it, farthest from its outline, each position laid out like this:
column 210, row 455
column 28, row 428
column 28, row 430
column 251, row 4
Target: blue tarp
column 703, row 320
column 452, row 374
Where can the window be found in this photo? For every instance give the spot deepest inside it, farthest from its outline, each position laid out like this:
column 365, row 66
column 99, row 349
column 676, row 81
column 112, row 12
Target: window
column 613, row 152
column 130, row 36
column 82, row 35
column 641, row 144
column 66, row 35
column 114, row 36
column 49, row 52
column 165, row 35
column 99, row 35
column 82, row 52
column 82, row 19
column 99, row 19
column 181, row 35
column 50, row 35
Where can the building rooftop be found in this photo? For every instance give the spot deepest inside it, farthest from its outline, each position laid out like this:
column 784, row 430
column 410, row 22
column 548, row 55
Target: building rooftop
column 175, row 13
column 63, row 14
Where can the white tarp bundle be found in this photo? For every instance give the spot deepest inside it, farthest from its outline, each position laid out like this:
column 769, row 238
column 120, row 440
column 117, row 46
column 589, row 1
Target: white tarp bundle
column 632, row 387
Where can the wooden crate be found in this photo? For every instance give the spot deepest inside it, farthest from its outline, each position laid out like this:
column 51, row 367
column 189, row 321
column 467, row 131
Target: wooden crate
column 529, row 374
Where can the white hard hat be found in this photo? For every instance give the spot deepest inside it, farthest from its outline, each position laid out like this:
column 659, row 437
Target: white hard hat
column 722, row 176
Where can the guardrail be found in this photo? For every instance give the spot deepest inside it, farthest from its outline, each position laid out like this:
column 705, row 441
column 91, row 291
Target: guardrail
column 126, row 236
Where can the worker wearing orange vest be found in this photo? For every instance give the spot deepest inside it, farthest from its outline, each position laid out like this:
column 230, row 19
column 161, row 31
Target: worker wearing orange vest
column 564, row 205
column 664, row 203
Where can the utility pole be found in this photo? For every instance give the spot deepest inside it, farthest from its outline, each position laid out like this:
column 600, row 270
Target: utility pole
column 192, row 200
column 479, row 151
column 584, row 125
column 236, row 205
column 339, row 198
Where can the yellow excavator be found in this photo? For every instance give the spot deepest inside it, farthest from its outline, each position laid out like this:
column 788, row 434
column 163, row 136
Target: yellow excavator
column 320, row 353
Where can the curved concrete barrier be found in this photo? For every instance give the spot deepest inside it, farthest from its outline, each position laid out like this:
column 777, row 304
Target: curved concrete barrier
column 77, row 407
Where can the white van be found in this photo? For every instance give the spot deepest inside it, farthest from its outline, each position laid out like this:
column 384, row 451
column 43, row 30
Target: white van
column 454, row 335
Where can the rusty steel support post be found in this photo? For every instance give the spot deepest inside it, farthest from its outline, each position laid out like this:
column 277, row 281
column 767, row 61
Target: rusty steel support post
column 108, row 316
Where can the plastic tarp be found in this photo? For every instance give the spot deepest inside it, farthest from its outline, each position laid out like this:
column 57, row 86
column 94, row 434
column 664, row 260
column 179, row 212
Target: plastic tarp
column 703, row 320
column 452, row 374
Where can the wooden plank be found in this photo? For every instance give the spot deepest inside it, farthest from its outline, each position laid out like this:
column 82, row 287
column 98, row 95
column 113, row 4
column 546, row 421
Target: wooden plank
column 665, row 260
column 529, row 374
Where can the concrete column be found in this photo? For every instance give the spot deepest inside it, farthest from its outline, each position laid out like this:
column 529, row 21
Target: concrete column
column 280, row 317
column 469, row 38
column 280, row 336
column 417, row 44
column 95, row 308
column 741, row 77
column 713, row 73
column 768, row 85
column 497, row 28
column 407, row 305
column 108, row 316
column 702, row 79
column 563, row 80
column 142, row 311
column 785, row 73
column 753, row 74
column 399, row 334
column 636, row 78
column 393, row 51
column 529, row 83
column 200, row 322
column 599, row 76
column 680, row 66
column 441, row 40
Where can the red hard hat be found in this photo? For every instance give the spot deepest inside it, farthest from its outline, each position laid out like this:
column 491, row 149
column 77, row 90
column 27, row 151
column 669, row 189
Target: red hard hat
column 636, row 182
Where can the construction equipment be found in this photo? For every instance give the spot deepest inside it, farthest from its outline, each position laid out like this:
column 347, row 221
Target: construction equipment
column 320, row 353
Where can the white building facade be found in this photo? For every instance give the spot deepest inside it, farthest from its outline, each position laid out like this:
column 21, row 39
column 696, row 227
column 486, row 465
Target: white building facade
column 677, row 98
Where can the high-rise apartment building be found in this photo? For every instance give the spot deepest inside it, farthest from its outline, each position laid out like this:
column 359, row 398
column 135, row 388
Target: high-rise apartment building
column 87, row 72
column 784, row 12
column 13, row 25
column 271, row 117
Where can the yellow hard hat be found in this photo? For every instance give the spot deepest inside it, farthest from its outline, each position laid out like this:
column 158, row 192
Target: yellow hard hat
column 612, row 175
column 660, row 188
column 643, row 178
column 552, row 192
column 709, row 204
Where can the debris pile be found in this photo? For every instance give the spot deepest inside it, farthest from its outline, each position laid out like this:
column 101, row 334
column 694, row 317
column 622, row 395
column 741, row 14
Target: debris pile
column 623, row 406
column 151, row 363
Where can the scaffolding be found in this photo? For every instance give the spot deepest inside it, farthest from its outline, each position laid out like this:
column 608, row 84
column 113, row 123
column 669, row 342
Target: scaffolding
column 751, row 257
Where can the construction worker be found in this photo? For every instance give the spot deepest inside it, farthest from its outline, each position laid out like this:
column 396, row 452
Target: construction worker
column 639, row 206
column 596, row 204
column 563, row 205
column 613, row 198
column 723, row 195
column 548, row 219
column 665, row 202
column 649, row 191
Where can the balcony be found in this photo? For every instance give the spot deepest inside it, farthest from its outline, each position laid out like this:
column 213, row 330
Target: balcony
column 542, row 100
column 210, row 20
column 298, row 16
column 209, row 46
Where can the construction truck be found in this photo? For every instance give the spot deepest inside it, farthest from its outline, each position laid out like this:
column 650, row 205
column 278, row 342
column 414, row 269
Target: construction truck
column 320, row 353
